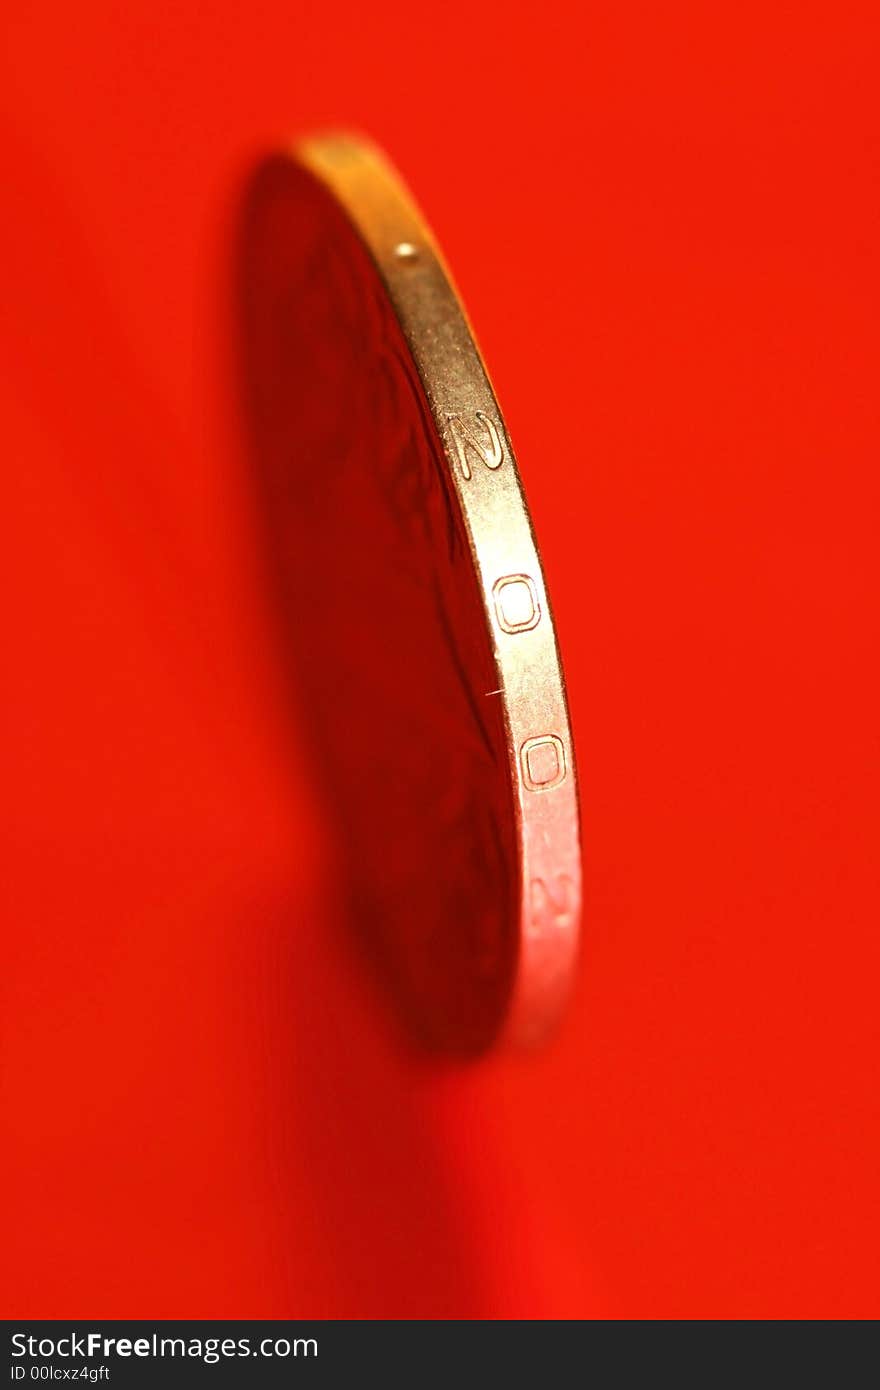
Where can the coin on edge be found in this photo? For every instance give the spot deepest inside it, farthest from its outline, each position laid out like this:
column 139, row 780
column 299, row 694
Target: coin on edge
column 421, row 640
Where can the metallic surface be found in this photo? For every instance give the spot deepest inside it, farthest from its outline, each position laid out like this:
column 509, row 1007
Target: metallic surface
column 412, row 583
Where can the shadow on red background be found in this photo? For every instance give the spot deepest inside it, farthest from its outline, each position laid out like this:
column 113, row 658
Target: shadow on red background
column 166, row 1040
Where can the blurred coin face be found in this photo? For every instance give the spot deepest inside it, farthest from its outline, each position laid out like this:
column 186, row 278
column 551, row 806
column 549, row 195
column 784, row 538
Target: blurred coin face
column 384, row 611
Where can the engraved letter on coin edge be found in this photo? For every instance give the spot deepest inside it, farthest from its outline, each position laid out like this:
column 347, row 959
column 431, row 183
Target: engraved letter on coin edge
column 491, row 454
column 551, row 909
column 531, row 771
column 506, row 622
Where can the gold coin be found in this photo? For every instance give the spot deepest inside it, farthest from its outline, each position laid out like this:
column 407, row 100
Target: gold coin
column 414, row 606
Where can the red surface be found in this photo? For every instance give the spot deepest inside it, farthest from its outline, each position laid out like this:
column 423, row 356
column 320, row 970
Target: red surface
column 665, row 224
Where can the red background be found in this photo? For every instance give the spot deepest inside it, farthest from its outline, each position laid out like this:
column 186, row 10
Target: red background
column 664, row 221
